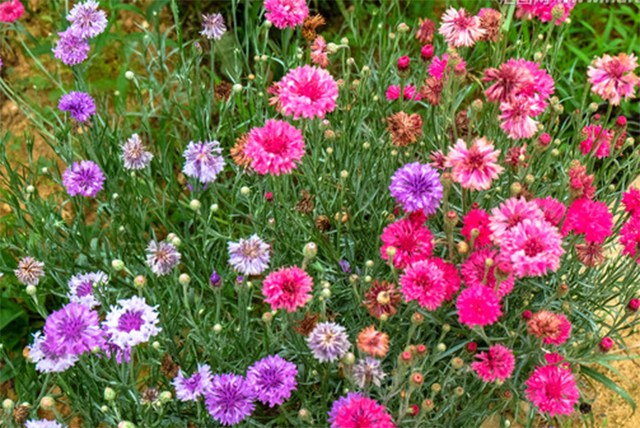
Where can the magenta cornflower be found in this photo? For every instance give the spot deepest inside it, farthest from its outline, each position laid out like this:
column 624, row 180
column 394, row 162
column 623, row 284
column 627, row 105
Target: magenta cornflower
column 134, row 154
column 598, row 136
column 590, row 218
column 273, row 379
column 440, row 67
column 630, row 237
column 631, row 201
column 79, row 104
column 552, row 389
column 47, row 357
column 132, row 322
column 424, row 281
column 249, row 256
column 213, row 26
column 74, row 329
column 328, row 341
column 81, row 288
column 451, row 277
column 474, row 167
column 408, row 92
column 417, row 187
column 286, row 13
column 409, row 238
column 11, row 10
column 72, row 48
column 275, row 148
column 612, row 77
column 459, row 28
column 552, row 209
column 203, row 161
column 496, row 364
column 306, row 91
column 478, row 305
column 476, row 271
column 162, row 257
column 509, row 214
column 358, row 411
column 190, row 388
column 542, row 9
column 477, row 219
column 83, row 178
column 87, row 20
column 288, row 288
column 29, row 271
column 230, row 398
column 335, row 407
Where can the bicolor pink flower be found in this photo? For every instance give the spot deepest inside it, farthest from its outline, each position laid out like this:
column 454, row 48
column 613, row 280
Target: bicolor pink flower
column 496, row 364
column 288, row 288
column 409, row 238
column 409, row 93
column 551, row 328
column 509, row 214
column 478, row 305
column 553, row 389
column 319, row 52
column 305, row 91
column 476, row 271
column 591, row 218
column 517, row 117
column 459, row 28
column 612, row 77
column 275, row 148
column 598, row 136
column 474, row 167
column 286, row 13
column 519, row 77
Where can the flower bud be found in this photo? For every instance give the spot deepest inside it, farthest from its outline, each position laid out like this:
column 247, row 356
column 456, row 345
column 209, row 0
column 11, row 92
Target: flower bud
column 391, row 252
column 155, row 345
column 184, row 279
column 267, row 317
column 244, row 190
column 310, row 250
column 237, row 88
column 215, row 280
column 633, row 305
column 304, row 414
column 421, row 350
column 325, row 293
column 417, row 318
column 214, row 208
column 129, row 75
column 404, row 65
column 109, row 394
column 104, row 409
column 165, row 397
column 7, row 405
column 126, row 424
column 463, row 247
column 427, row 405
column 436, row 388
column 217, row 328
column 194, row 204
column 417, row 380
column 458, row 391
column 558, row 11
column 450, row 221
column 117, row 264
column 139, row 282
column 605, row 344
column 471, row 347
column 477, row 105
column 621, row 121
column 563, row 290
column 31, row 290
column 516, row 189
column 406, row 357
column 349, row 358
column 457, row 363
column 441, row 347
column 527, row 315
column 402, row 27
column 426, row 53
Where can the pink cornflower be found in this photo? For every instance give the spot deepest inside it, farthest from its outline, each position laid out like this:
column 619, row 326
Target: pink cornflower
column 357, row 411
column 630, row 237
column 612, row 77
column 534, row 247
column 286, row 13
column 553, row 329
column 496, row 364
column 542, row 9
column 511, row 213
column 474, row 167
column 477, row 219
column 590, row 218
column 11, row 10
column 478, row 305
column 553, row 389
column 631, row 201
column 552, row 209
column 517, row 117
column 305, row 91
column 440, row 67
column 510, row 79
column 411, row 240
column 476, row 271
column 274, row 148
column 409, row 93
column 459, row 28
column 595, row 134
column 319, row 52
column 451, row 277
column 424, row 281
column 288, row 288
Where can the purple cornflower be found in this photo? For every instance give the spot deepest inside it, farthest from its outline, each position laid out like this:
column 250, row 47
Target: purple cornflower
column 81, row 288
column 213, row 26
column 74, row 329
column 203, row 161
column 249, row 256
column 215, row 279
column 417, row 186
column 189, row 389
column 79, row 104
column 162, row 257
column 86, row 20
column 83, row 178
column 46, row 359
column 42, row 424
column 135, row 154
column 342, row 401
column 29, row 271
column 112, row 350
column 230, row 399
column 368, row 371
column 72, row 48
column 132, row 322
column 328, row 341
column 273, row 379
column 345, row 266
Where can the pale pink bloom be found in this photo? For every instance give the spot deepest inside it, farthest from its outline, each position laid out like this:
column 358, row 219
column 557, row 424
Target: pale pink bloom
column 518, row 115
column 305, row 91
column 612, row 77
column 474, row 167
column 509, row 214
column 286, row 13
column 438, row 67
column 319, row 52
column 595, row 134
column 496, row 364
column 409, row 91
column 459, row 28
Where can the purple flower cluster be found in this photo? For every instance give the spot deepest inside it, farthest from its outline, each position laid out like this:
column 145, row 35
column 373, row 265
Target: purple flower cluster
column 79, row 104
column 86, row 22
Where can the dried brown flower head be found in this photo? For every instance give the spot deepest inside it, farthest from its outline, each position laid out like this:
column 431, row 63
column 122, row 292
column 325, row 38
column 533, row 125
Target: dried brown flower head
column 404, row 128
column 150, row 395
column 305, row 205
column 490, row 22
column 306, row 325
column 222, row 90
column 21, row 413
column 323, row 223
column 381, row 299
column 514, row 154
column 310, row 24
column 431, row 90
column 545, row 324
column 590, row 254
column 168, row 367
column 238, row 154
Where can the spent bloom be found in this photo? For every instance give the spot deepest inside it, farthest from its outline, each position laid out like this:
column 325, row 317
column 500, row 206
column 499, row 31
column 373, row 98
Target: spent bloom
column 417, row 187
column 74, row 329
column 249, row 256
column 552, row 389
column 134, row 154
column 162, row 257
column 286, row 13
column 553, row 329
column 328, row 341
column 230, row 398
column 72, row 48
column 87, row 20
column 381, row 299
column 11, row 10
column 79, row 104
column 371, row 341
column 288, row 288
column 368, row 371
column 29, row 271
column 81, row 288
column 203, row 161
column 409, row 239
column 612, row 77
column 496, row 364
column 478, row 305
column 404, row 128
column 190, row 388
column 83, row 178
column 213, row 26
column 275, row 148
column 474, row 167
column 305, row 91
column 273, row 379
column 132, row 322
column 459, row 28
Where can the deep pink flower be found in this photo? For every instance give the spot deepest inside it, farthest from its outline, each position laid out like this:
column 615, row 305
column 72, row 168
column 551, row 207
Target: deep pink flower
column 553, row 389
column 404, row 63
column 509, row 214
column 631, row 201
column 426, row 53
column 518, row 77
column 288, row 288
column 286, row 13
column 478, row 305
column 476, row 272
column 459, row 28
column 409, row 93
column 412, row 241
column 477, row 219
column 424, row 281
column 596, row 135
column 590, row 218
column 305, row 91
column 613, row 78
column 358, row 411
column 496, row 364
column 630, row 237
column 542, row 9
column 605, row 344
column 552, row 209
column 580, row 183
column 11, row 10
column 274, row 148
column 451, row 277
column 440, row 67
column 474, row 167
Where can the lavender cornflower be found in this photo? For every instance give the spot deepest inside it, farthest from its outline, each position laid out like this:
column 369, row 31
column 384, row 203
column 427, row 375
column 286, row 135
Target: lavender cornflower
column 328, row 341
column 230, row 399
column 47, row 359
column 74, row 329
column 215, row 279
column 203, row 161
column 81, row 288
column 86, row 20
column 416, row 187
column 79, row 104
column 368, row 371
column 273, row 379
column 29, row 271
column 249, row 256
column 213, row 26
column 135, row 154
column 83, row 178
column 162, row 257
column 344, row 265
column 189, row 389
column 132, row 322
column 110, row 350
column 72, row 48
column 32, row 423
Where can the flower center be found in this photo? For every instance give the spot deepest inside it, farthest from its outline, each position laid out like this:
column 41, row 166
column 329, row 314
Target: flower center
column 85, row 289
column 533, row 247
column 277, row 145
column 130, row 320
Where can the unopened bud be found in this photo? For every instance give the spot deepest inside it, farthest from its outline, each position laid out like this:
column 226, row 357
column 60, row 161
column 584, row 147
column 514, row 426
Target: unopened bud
column 31, row 290
column 139, row 281
column 349, row 358
column 109, row 394
column 457, row 363
column 310, row 250
column 194, row 204
column 184, row 279
column 417, row 380
column 46, row 402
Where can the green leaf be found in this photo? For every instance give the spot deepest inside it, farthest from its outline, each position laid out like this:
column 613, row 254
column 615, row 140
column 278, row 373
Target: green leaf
column 596, row 375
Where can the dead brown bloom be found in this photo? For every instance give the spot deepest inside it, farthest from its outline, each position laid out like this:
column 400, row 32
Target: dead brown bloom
column 309, row 26
column 238, row 154
column 590, row 254
column 490, row 23
column 431, row 90
column 168, row 367
column 306, row 325
column 426, row 31
column 305, row 205
column 222, row 91
column 404, row 128
column 323, row 223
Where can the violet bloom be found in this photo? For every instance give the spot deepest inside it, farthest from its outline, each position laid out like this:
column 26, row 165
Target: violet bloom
column 132, row 322
column 110, row 350
column 79, row 104
column 344, row 265
column 83, row 178
column 74, row 329
column 213, row 26
column 328, row 341
column 81, row 288
column 162, row 257
column 230, row 399
column 72, row 48
column 134, row 154
column 416, row 187
column 189, row 389
column 215, row 279
column 46, row 358
column 273, row 379
column 249, row 256
column 86, row 20
column 203, row 161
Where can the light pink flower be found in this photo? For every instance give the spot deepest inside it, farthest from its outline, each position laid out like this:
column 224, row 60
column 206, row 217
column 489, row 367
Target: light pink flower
column 496, row 364
column 274, row 148
column 319, row 52
column 459, row 28
column 517, row 117
column 474, row 167
column 286, row 13
column 613, row 78
column 305, row 91
column 509, row 214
